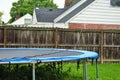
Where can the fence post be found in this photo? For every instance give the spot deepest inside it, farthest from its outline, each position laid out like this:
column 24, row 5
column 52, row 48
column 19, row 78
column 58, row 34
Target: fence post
column 5, row 36
column 56, row 38
column 101, row 46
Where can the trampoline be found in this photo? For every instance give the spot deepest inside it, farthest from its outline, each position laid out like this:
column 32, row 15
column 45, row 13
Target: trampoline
column 34, row 55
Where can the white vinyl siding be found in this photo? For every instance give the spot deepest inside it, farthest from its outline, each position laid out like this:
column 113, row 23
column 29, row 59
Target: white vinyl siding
column 21, row 21
column 100, row 12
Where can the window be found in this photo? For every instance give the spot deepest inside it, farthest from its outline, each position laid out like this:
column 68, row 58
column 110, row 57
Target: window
column 27, row 21
column 115, row 2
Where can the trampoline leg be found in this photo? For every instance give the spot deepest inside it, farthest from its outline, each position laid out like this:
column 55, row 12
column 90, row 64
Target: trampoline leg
column 96, row 69
column 33, row 71
column 9, row 70
column 85, row 70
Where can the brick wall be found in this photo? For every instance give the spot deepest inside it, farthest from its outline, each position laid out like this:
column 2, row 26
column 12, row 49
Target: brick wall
column 92, row 26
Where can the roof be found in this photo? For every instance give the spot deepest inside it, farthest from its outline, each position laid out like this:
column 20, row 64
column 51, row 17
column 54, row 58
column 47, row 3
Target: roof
column 47, row 14
column 50, row 14
column 21, row 20
column 75, row 11
column 28, row 55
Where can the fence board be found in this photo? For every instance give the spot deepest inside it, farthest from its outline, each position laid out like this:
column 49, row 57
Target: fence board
column 105, row 42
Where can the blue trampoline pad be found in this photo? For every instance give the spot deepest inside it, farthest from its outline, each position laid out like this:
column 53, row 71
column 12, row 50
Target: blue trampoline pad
column 28, row 55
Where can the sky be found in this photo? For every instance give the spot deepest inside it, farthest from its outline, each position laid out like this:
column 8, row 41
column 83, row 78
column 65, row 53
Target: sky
column 5, row 6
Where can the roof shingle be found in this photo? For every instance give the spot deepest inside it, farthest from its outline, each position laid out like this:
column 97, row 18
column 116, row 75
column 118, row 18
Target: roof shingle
column 49, row 14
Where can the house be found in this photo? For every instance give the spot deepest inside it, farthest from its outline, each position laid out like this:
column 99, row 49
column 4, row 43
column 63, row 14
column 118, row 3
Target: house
column 24, row 20
column 80, row 14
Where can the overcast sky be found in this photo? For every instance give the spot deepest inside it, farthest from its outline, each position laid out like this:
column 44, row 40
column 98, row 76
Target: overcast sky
column 5, row 6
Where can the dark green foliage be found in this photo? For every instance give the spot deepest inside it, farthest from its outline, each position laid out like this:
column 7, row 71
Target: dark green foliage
column 16, row 72
column 24, row 72
column 1, row 13
column 26, row 6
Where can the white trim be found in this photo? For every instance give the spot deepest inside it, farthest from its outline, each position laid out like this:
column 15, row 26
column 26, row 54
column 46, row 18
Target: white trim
column 49, row 25
column 82, row 11
column 69, row 10
column 44, row 23
column 91, row 22
column 34, row 20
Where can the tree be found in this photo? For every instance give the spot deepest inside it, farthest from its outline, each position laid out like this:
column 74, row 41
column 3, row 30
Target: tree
column 26, row 6
column 1, row 13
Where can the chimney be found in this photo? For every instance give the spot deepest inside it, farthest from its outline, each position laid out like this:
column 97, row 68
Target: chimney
column 67, row 2
column 17, row 16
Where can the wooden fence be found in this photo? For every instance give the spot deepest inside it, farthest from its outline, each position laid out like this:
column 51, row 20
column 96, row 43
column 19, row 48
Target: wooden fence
column 105, row 42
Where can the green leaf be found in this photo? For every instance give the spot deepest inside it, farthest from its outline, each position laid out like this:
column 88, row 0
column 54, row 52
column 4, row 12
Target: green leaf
column 26, row 6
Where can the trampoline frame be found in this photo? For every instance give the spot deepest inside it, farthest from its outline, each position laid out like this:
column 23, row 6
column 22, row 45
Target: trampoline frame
column 85, row 71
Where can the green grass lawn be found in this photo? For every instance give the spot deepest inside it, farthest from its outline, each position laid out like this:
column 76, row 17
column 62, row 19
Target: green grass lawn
column 106, row 72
